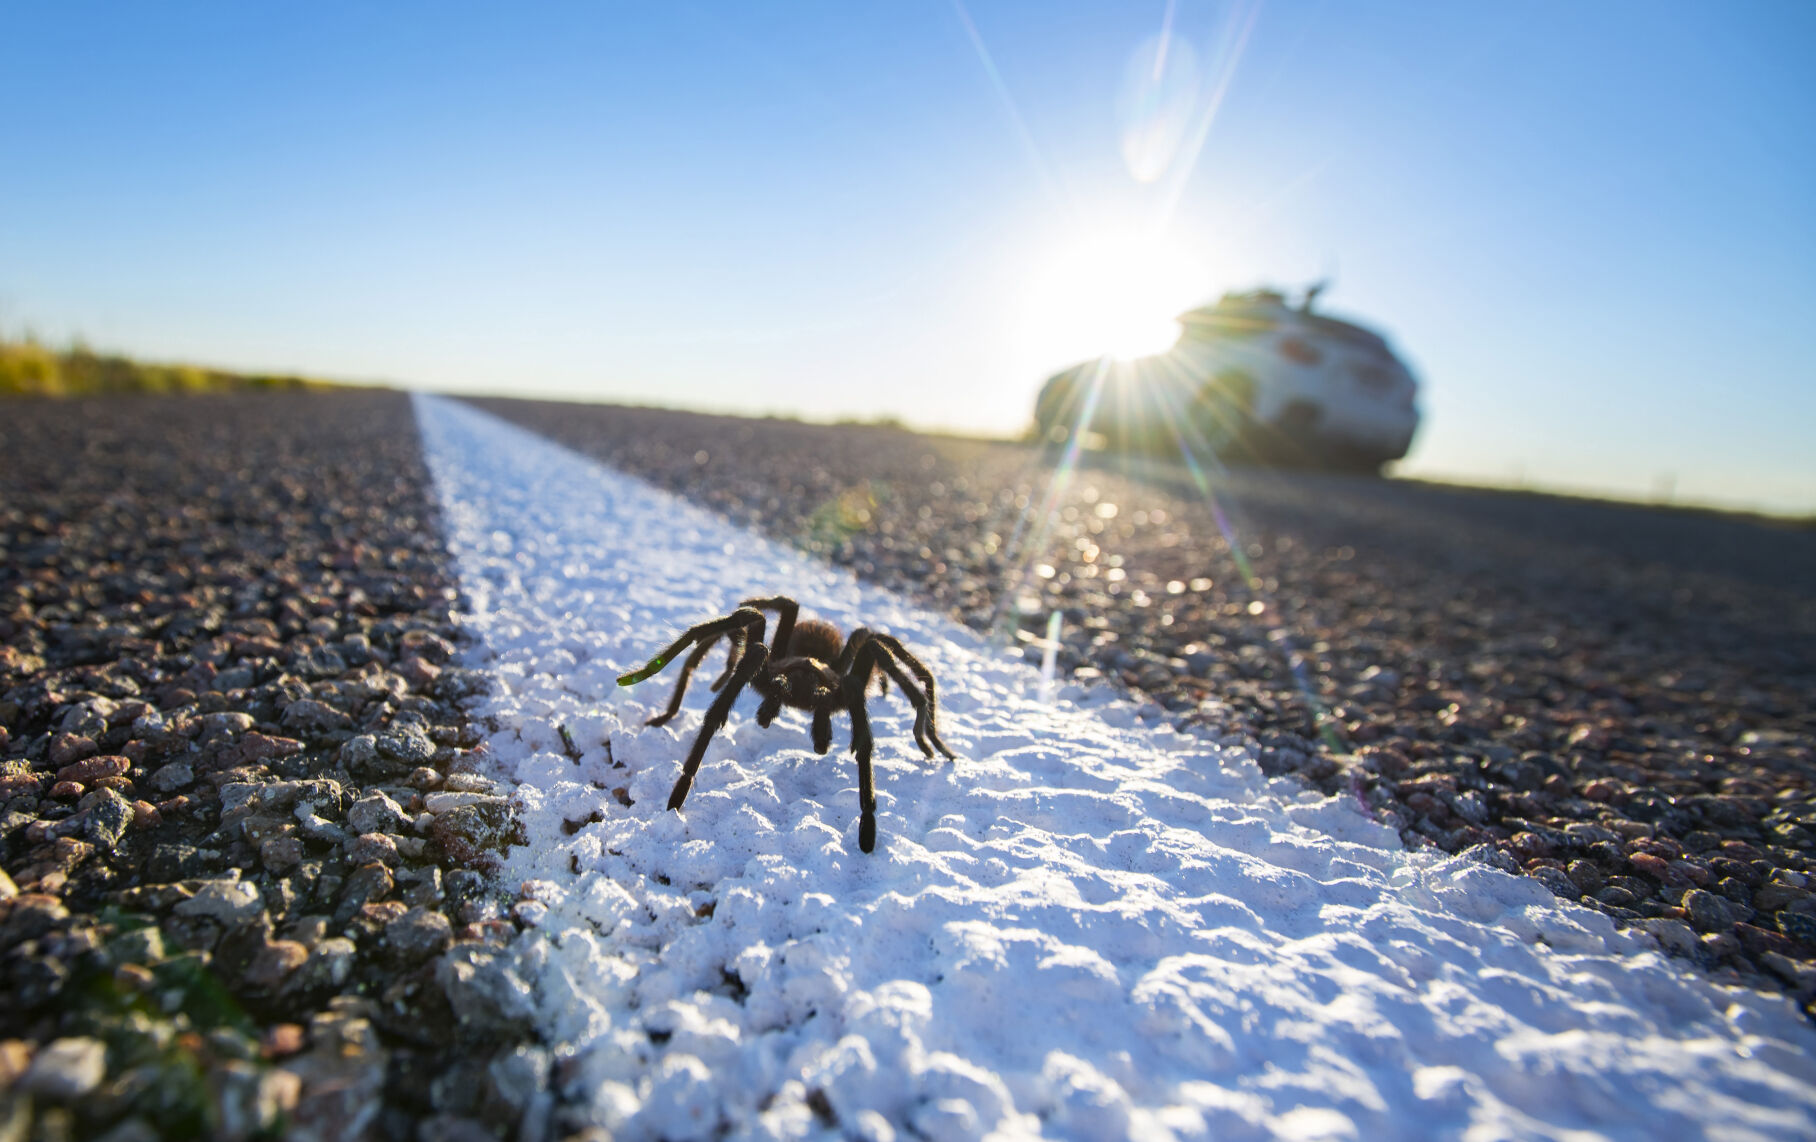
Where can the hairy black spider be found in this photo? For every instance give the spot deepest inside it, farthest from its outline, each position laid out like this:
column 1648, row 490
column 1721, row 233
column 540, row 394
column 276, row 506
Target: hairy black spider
column 809, row 666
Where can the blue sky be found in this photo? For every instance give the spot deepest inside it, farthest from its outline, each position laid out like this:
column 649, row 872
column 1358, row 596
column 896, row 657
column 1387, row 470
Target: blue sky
column 1590, row 227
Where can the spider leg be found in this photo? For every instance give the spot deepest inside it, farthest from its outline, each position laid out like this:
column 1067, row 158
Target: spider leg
column 928, row 712
column 766, row 713
column 860, row 746
column 731, row 661
column 822, row 731
column 743, row 617
column 787, row 611
column 849, row 652
column 687, row 672
column 915, row 698
column 753, row 661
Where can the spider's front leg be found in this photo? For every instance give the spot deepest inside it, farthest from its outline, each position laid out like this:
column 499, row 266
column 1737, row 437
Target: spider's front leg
column 687, row 672
column 745, row 626
column 755, row 657
column 742, row 620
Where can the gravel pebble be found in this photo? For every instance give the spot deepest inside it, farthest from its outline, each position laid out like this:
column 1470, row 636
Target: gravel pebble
column 376, row 813
column 231, row 902
column 417, row 935
column 66, row 1069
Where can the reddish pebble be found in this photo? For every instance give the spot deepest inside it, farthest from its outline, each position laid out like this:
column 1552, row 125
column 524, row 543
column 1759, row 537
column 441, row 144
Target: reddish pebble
column 1423, row 803
column 1653, row 866
column 1529, row 846
column 382, row 913
column 273, row 963
column 18, row 784
column 95, row 768
column 256, row 647
column 1758, row 940
column 370, row 847
column 282, row 1041
column 67, row 748
column 255, row 746
column 279, row 854
column 1740, row 850
column 1601, row 790
column 145, row 815
column 67, row 790
column 419, row 673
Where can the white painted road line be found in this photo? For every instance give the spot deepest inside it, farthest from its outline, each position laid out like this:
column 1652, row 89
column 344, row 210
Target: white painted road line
column 1084, row 928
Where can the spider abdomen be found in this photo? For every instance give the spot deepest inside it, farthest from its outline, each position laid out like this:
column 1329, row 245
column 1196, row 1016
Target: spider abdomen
column 821, row 641
column 817, row 639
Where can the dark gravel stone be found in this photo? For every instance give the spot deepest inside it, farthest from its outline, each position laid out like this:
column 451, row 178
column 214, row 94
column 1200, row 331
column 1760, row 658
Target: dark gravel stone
column 1706, row 910
column 107, row 819
column 417, row 935
column 376, row 813
column 1587, row 877
column 308, row 716
column 407, row 743
column 472, row 834
column 489, row 996
column 1616, row 897
column 365, row 884
column 1798, row 926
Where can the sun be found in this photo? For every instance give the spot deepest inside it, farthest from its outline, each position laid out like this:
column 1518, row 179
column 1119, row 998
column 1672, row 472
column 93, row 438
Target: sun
column 1114, row 295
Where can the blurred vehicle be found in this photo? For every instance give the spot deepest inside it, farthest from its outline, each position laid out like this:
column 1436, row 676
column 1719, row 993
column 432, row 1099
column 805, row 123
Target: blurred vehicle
column 1251, row 379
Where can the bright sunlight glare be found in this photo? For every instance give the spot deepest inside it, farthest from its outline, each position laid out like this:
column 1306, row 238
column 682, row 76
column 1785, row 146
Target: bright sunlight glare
column 1114, row 295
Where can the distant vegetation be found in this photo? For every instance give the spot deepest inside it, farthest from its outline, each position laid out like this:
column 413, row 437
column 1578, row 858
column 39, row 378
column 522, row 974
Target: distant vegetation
column 29, row 368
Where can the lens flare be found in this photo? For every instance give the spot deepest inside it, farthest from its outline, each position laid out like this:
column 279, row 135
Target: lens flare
column 1158, row 103
column 1116, row 294
column 1175, row 391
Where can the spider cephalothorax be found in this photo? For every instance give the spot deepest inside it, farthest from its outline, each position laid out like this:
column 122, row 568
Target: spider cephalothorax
column 809, row 666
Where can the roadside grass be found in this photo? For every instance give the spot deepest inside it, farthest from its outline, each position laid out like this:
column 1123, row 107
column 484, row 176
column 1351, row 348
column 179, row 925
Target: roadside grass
column 29, row 368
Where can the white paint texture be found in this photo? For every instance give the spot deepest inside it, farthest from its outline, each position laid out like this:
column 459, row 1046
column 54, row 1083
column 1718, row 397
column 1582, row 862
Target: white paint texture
column 1087, row 927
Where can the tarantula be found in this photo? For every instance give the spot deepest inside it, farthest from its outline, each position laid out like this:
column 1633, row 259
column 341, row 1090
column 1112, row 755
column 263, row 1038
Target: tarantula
column 809, row 666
